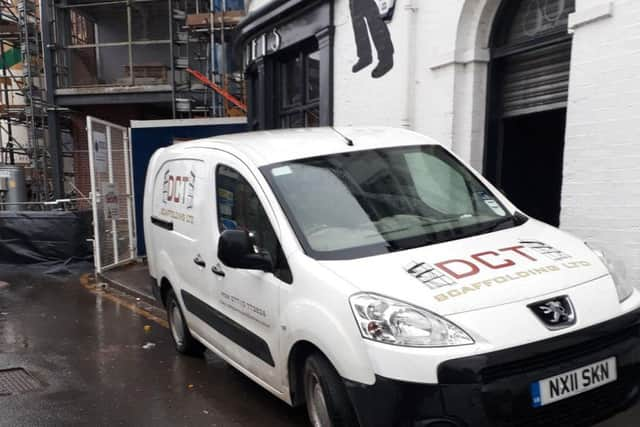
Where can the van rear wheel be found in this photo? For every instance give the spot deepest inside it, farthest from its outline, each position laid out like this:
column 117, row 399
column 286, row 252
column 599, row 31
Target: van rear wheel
column 182, row 338
column 328, row 404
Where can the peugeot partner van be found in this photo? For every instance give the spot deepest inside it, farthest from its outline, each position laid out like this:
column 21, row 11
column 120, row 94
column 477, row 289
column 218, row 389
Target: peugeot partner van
column 371, row 275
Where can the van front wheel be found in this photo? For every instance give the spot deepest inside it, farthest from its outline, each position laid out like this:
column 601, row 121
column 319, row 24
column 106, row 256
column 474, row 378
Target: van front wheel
column 328, row 404
column 184, row 342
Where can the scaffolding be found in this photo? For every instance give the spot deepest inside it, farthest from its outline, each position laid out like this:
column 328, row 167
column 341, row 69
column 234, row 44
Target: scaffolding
column 202, row 35
column 23, row 108
column 104, row 49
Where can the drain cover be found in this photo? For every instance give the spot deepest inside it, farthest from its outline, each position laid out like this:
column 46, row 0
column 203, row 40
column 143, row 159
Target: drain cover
column 15, row 381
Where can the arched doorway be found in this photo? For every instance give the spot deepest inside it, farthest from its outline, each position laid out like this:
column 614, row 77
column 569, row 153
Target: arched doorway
column 527, row 103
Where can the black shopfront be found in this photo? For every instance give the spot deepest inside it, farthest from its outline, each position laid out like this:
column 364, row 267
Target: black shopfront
column 287, row 53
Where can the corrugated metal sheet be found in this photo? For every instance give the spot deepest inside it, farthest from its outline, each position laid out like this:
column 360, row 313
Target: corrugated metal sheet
column 536, row 80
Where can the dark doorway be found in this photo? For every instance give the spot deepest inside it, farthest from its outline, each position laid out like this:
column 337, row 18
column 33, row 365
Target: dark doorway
column 532, row 155
column 528, row 93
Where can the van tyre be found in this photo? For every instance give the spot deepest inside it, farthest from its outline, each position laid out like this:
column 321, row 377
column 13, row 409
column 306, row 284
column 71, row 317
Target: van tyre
column 328, row 404
column 184, row 342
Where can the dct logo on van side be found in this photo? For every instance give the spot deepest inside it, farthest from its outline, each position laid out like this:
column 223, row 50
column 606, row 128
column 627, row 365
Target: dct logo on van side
column 178, row 189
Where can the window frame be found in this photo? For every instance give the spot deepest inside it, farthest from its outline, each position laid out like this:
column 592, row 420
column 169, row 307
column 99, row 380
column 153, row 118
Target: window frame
column 300, row 51
column 281, row 267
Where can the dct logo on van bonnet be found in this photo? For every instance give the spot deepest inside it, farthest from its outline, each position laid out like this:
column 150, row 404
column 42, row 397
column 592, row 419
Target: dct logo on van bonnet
column 494, row 260
column 445, row 273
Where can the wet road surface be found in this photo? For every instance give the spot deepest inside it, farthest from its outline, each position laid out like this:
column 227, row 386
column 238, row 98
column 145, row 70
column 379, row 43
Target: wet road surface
column 86, row 349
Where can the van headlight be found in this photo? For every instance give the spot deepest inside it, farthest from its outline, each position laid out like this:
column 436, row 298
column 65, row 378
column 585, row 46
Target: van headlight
column 618, row 274
column 393, row 322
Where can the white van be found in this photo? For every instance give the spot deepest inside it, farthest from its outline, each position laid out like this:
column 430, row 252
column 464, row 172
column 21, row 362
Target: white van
column 370, row 274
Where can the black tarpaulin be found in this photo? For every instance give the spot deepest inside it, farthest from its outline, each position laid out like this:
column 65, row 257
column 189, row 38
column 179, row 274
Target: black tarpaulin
column 30, row 237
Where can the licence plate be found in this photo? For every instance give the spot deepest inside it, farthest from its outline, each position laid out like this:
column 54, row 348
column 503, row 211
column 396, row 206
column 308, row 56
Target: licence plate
column 568, row 384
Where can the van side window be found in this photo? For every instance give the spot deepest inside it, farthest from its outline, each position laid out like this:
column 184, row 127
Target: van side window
column 240, row 209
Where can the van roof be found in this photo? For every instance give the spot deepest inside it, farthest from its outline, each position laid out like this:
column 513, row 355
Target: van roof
column 275, row 146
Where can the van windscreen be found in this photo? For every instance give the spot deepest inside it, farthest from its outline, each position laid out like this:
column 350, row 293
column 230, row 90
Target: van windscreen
column 364, row 203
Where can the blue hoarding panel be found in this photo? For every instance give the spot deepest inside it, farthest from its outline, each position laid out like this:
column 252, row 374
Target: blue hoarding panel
column 146, row 140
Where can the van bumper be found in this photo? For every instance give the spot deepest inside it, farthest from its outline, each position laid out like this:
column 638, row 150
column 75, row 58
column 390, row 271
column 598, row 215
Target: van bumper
column 493, row 389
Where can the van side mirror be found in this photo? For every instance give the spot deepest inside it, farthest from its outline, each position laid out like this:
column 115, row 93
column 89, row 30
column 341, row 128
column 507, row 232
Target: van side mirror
column 236, row 250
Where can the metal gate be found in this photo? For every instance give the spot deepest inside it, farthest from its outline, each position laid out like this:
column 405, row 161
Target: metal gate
column 111, row 194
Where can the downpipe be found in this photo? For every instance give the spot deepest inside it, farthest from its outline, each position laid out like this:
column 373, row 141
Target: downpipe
column 408, row 120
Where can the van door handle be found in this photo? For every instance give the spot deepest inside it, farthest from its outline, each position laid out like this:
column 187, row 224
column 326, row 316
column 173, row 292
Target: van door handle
column 199, row 261
column 167, row 225
column 217, row 270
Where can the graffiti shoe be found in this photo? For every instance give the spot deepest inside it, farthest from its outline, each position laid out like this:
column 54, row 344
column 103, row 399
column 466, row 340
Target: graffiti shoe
column 362, row 63
column 382, row 68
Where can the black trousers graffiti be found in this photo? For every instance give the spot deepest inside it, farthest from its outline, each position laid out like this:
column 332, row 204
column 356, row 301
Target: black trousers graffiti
column 367, row 10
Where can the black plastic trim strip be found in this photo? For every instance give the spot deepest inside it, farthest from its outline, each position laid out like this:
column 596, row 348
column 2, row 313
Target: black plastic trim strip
column 167, row 225
column 228, row 327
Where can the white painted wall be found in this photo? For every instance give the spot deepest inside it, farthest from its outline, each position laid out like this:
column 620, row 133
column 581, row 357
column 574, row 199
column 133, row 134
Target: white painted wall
column 601, row 187
column 438, row 84
column 358, row 98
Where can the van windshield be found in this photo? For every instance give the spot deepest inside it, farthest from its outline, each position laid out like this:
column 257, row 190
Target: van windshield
column 364, row 203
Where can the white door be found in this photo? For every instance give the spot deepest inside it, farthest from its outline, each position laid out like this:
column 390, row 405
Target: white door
column 244, row 304
column 180, row 218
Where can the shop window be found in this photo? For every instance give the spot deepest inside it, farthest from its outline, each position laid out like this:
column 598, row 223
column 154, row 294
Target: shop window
column 299, row 89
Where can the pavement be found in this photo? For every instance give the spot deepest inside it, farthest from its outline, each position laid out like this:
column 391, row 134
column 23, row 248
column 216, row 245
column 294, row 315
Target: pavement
column 85, row 351
column 133, row 279
column 95, row 356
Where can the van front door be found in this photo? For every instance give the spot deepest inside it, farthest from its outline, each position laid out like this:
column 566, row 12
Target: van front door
column 244, row 315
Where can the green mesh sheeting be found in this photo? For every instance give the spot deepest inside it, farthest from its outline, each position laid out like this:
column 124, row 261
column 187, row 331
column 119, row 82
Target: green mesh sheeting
column 10, row 58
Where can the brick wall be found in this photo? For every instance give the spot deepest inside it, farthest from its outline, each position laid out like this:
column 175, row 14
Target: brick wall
column 82, row 179
column 601, row 186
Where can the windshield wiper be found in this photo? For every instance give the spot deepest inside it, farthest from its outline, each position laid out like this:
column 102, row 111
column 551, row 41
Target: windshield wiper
column 516, row 219
column 424, row 222
column 382, row 233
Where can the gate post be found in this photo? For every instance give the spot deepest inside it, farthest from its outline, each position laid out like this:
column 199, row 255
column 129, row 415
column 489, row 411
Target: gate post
column 94, row 202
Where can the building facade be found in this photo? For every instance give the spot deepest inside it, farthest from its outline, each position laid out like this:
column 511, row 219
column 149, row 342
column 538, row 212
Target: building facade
column 62, row 60
column 539, row 95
